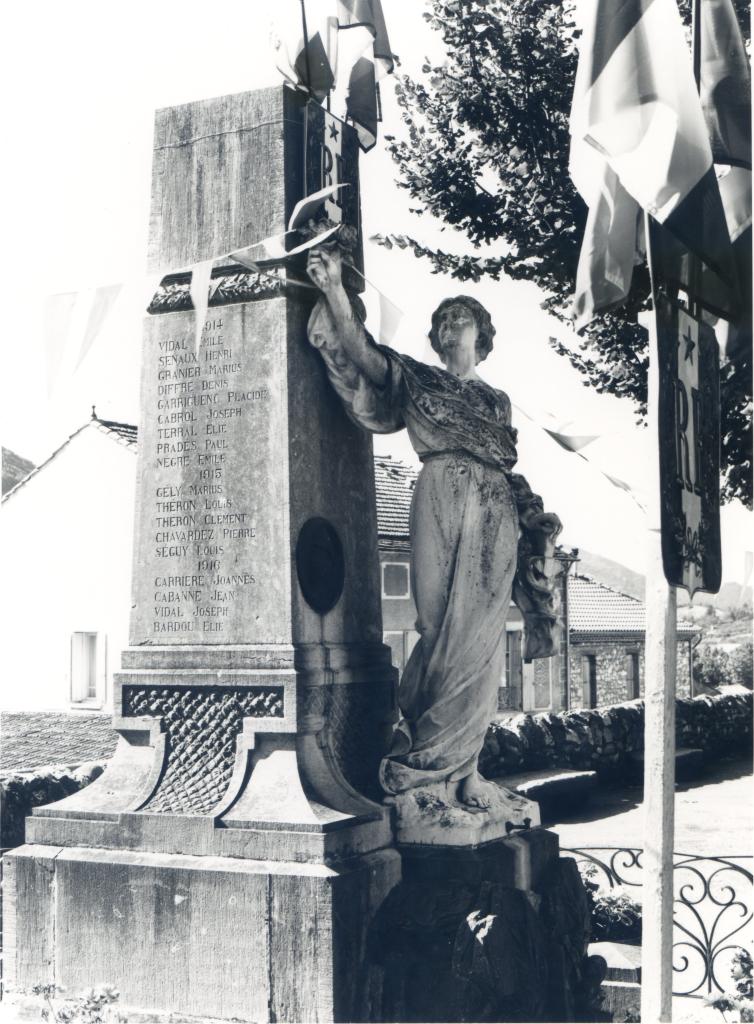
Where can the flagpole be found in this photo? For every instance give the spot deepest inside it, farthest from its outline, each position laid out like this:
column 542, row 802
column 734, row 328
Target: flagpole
column 695, row 266
column 659, row 725
column 306, row 47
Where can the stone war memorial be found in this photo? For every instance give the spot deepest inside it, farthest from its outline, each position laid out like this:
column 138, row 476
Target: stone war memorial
column 282, row 835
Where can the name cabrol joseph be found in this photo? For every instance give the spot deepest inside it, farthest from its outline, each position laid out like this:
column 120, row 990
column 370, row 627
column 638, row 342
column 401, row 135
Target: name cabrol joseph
column 205, row 394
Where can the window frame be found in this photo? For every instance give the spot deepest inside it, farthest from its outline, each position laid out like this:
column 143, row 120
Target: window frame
column 633, row 677
column 590, row 685
column 80, row 695
column 395, row 597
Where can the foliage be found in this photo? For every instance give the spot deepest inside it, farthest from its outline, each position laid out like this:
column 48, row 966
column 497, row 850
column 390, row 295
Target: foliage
column 741, row 1001
column 715, row 667
column 741, row 612
column 485, row 149
column 711, row 666
column 742, row 665
column 93, row 1006
column 615, row 917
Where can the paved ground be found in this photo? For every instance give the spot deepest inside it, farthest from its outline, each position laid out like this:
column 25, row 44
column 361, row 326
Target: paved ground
column 30, row 739
column 714, row 815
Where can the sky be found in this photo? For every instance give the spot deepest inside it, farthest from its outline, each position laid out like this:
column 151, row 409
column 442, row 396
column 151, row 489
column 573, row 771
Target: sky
column 80, row 82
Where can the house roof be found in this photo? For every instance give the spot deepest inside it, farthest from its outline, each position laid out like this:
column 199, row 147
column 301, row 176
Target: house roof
column 15, row 469
column 394, row 483
column 123, row 433
column 594, row 609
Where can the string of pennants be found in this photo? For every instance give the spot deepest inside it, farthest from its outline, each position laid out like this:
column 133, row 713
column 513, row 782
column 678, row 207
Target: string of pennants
column 574, row 443
column 85, row 314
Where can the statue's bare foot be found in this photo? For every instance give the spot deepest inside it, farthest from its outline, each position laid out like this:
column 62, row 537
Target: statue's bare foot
column 475, row 792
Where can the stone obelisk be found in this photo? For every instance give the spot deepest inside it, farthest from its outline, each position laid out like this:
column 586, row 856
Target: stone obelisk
column 229, row 861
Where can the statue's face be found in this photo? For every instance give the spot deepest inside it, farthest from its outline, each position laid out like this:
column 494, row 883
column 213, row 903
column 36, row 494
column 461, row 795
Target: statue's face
column 457, row 333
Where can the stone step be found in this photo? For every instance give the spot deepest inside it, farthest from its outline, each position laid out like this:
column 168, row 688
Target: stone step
column 623, row 960
column 689, row 763
column 621, row 989
column 553, row 788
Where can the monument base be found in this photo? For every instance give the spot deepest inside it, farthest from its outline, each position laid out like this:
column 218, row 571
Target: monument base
column 433, row 815
column 496, row 933
column 212, row 937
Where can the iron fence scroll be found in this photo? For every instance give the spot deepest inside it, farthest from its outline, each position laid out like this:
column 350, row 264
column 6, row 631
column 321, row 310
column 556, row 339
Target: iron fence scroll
column 712, row 908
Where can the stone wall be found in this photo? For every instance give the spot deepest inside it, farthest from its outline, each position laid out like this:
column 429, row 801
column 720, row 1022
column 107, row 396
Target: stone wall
column 21, row 791
column 612, row 670
column 603, row 739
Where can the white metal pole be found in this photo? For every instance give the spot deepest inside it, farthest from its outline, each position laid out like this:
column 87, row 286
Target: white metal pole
column 659, row 735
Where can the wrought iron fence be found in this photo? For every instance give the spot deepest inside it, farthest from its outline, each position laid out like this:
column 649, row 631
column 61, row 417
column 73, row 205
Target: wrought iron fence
column 712, row 908
column 2, row 989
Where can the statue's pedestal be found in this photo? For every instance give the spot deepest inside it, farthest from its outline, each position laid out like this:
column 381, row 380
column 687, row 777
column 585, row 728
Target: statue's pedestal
column 433, row 815
column 495, row 933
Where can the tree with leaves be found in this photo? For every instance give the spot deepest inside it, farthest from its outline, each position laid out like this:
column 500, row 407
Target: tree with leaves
column 485, row 149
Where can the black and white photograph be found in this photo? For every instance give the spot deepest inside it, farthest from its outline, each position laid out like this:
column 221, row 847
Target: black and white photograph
column 377, row 534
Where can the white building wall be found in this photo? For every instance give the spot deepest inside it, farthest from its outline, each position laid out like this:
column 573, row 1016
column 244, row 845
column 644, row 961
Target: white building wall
column 66, row 568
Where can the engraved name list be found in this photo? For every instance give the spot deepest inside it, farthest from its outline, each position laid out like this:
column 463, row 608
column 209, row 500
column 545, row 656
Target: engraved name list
column 203, row 533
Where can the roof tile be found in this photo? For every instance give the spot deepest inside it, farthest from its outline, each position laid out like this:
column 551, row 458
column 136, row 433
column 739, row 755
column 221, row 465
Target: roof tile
column 595, row 608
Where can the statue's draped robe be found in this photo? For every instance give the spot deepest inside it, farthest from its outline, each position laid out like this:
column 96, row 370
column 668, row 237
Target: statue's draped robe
column 464, row 538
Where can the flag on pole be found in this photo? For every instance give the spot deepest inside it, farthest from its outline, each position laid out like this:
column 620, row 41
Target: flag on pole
column 726, row 100
column 725, row 93
column 364, row 58
column 608, row 250
column 636, row 110
column 725, row 84
column 368, row 14
column 305, row 36
column 313, row 56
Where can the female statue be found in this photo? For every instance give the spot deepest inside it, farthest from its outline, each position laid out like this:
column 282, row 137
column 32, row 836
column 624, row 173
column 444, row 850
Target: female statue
column 465, row 517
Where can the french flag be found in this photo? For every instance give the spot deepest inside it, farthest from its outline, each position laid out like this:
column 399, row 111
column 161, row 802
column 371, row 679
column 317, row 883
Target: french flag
column 639, row 141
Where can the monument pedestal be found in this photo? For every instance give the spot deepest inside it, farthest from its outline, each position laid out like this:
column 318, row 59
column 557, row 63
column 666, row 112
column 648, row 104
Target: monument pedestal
column 494, row 933
column 219, row 937
column 230, row 859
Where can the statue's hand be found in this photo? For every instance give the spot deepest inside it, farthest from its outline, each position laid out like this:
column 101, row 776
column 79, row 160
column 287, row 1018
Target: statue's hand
column 324, row 269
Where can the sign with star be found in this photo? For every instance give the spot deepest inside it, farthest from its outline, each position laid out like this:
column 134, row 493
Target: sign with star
column 332, row 158
column 689, row 442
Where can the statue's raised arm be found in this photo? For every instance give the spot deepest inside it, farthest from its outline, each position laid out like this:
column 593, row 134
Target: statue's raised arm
column 325, row 268
column 468, row 511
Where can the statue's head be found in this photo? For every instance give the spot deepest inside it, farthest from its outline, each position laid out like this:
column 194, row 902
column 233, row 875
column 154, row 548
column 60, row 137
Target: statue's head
column 463, row 308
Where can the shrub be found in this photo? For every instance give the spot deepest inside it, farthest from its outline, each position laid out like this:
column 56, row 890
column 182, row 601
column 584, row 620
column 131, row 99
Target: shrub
column 614, row 916
column 711, row 667
column 94, row 1006
column 741, row 1001
column 742, row 665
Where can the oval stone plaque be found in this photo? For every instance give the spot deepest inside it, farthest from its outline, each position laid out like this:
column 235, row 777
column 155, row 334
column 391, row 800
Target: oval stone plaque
column 320, row 564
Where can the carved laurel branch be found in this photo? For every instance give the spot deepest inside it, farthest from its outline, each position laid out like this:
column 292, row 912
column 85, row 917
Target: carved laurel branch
column 235, row 285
